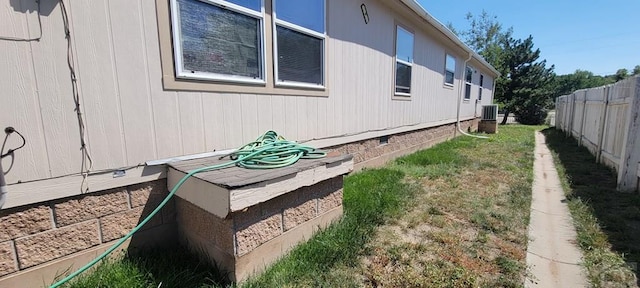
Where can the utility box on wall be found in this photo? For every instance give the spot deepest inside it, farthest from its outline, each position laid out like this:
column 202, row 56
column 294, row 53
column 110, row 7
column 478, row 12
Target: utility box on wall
column 243, row 220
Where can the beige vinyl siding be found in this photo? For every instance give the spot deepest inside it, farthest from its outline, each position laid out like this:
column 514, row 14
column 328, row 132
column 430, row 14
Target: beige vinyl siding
column 131, row 118
column 33, row 81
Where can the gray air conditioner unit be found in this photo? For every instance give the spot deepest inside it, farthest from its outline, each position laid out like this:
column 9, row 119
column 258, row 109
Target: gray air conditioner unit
column 489, row 112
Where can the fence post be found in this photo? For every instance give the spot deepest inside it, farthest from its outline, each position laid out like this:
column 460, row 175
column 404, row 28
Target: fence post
column 571, row 102
column 567, row 112
column 555, row 120
column 630, row 157
column 584, row 112
column 603, row 123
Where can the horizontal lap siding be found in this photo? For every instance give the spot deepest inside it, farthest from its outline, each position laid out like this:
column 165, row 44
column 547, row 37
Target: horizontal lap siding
column 131, row 118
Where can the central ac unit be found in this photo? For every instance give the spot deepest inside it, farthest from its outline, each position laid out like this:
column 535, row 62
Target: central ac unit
column 490, row 112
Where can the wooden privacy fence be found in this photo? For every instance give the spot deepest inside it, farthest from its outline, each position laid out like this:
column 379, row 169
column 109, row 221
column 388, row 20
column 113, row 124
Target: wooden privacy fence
column 606, row 120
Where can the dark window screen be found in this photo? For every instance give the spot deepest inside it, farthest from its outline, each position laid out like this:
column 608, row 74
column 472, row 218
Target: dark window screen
column 467, row 91
column 403, row 78
column 448, row 77
column 299, row 57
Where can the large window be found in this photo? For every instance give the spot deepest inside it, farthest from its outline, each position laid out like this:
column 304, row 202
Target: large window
column 449, row 69
column 219, row 40
column 299, row 35
column 468, row 75
column 404, row 61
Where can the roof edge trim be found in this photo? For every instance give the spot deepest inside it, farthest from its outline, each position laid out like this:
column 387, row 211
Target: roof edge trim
column 418, row 9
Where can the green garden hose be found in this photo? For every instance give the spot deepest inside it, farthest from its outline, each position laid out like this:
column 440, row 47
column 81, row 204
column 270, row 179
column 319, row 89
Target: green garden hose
column 267, row 152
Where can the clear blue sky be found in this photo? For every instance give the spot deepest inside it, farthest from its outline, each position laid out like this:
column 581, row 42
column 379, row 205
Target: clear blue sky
column 598, row 36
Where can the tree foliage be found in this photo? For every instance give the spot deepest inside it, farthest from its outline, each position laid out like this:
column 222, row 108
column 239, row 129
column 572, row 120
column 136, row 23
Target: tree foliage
column 580, row 79
column 486, row 36
column 522, row 86
column 621, row 74
column 525, row 86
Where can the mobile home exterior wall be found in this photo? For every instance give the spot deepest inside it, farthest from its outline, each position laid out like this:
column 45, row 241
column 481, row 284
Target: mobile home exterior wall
column 134, row 109
column 131, row 118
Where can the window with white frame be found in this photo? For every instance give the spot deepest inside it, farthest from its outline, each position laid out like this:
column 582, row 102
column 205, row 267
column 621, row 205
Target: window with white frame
column 468, row 75
column 299, row 34
column 449, row 69
column 219, row 40
column 404, row 61
column 480, row 88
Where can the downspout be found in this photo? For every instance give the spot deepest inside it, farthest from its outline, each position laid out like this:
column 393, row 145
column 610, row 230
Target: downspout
column 460, row 102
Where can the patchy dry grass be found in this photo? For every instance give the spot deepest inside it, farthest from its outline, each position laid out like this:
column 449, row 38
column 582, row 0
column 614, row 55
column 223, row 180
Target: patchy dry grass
column 607, row 221
column 454, row 215
column 468, row 226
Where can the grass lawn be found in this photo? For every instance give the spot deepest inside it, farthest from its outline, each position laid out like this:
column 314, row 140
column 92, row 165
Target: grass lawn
column 607, row 221
column 468, row 225
column 455, row 215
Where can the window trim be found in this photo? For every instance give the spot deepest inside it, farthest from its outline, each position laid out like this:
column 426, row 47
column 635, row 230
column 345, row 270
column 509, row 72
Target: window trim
column 402, row 95
column 274, row 34
column 208, row 76
column 169, row 82
column 468, row 68
column 444, row 79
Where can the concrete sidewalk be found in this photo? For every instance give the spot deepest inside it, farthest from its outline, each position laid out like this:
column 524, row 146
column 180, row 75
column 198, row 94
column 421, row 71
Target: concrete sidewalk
column 553, row 258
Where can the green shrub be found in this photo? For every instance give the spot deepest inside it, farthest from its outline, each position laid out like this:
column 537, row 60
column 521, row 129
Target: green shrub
column 531, row 114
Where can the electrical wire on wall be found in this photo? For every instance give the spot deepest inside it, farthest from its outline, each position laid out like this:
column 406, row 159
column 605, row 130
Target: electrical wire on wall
column 8, row 131
column 15, row 39
column 3, row 183
column 87, row 162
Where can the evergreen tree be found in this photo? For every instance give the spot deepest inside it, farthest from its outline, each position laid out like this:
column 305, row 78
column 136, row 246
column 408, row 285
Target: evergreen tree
column 526, row 84
column 523, row 87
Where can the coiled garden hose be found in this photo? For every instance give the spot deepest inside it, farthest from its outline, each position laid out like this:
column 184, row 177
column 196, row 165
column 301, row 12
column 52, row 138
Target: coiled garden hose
column 267, row 152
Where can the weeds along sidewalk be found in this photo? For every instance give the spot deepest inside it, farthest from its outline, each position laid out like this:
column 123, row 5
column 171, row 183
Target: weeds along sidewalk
column 553, row 258
column 454, row 215
column 607, row 221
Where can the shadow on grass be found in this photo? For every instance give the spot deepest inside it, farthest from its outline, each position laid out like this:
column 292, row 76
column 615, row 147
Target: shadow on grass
column 617, row 213
column 177, row 267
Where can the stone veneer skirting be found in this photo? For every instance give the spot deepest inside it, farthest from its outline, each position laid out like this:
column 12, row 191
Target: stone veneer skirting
column 36, row 235
column 37, row 241
column 371, row 153
column 241, row 234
